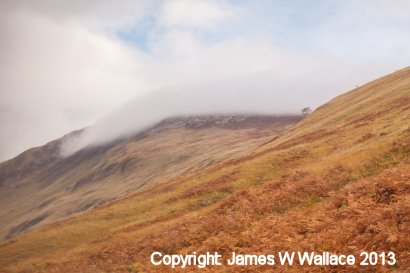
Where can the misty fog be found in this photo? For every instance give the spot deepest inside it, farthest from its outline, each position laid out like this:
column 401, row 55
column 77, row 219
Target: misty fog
column 272, row 92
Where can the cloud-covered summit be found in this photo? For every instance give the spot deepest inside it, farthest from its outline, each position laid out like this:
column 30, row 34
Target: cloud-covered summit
column 68, row 64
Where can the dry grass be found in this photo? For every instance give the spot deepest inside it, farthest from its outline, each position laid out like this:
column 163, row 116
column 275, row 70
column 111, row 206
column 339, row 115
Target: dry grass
column 339, row 181
column 65, row 187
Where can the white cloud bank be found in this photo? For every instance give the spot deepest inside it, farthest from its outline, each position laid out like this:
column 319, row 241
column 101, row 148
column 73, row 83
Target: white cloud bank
column 63, row 68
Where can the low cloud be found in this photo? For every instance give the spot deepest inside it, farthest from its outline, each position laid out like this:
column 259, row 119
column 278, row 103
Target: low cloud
column 271, row 91
column 57, row 77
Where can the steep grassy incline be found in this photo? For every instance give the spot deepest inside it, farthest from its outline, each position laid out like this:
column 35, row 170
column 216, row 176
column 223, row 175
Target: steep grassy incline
column 40, row 186
column 338, row 181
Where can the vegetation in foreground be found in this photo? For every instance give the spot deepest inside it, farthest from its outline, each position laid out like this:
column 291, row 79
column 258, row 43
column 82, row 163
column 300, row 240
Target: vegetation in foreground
column 339, row 181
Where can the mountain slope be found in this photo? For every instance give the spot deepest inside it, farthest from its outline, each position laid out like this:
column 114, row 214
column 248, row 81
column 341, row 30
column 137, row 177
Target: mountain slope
column 40, row 186
column 338, row 181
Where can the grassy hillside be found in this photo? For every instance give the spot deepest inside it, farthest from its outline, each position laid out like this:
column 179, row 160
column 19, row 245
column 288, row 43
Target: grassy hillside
column 40, row 186
column 338, row 181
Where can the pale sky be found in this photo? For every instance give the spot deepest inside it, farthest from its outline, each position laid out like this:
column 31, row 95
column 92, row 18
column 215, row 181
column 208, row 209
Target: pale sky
column 65, row 65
